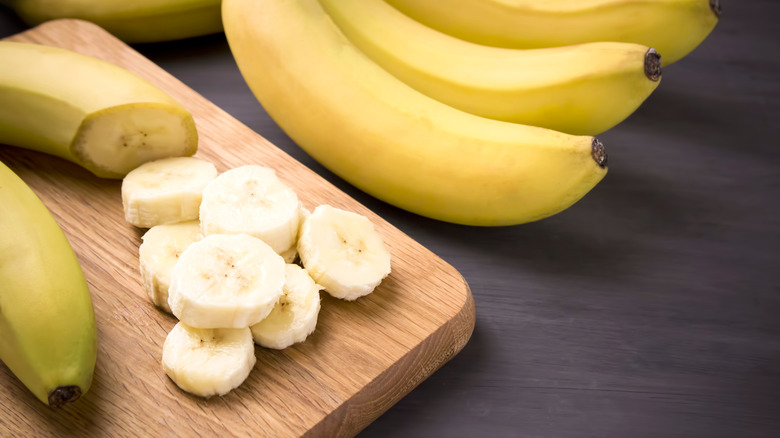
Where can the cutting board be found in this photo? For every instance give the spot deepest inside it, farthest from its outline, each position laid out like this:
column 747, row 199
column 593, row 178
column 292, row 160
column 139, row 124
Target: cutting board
column 362, row 358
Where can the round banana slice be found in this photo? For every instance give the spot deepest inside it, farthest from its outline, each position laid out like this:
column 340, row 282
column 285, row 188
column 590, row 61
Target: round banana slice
column 294, row 316
column 165, row 191
column 343, row 252
column 208, row 362
column 160, row 249
column 251, row 200
column 226, row 281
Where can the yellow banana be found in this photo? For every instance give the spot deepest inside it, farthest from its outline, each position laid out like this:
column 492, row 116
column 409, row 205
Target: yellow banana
column 48, row 337
column 88, row 111
column 673, row 27
column 393, row 142
column 134, row 21
column 578, row 89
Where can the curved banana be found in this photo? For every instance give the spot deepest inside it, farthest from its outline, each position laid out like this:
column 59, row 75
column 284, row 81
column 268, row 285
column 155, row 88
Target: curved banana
column 48, row 337
column 391, row 141
column 577, row 89
column 673, row 27
column 88, row 111
column 136, row 21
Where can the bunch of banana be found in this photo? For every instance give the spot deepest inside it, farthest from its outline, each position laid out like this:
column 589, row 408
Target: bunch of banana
column 91, row 112
column 392, row 141
column 136, row 21
column 673, row 27
column 48, row 337
column 578, row 89
column 227, row 274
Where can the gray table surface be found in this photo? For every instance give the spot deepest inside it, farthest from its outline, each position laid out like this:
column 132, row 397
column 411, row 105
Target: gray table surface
column 651, row 308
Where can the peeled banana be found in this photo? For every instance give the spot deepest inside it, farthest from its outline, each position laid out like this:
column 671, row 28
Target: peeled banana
column 577, row 89
column 673, row 27
column 136, row 21
column 88, row 111
column 48, row 337
column 392, row 141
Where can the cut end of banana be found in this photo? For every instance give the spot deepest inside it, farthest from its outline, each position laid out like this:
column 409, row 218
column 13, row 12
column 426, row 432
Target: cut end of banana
column 208, row 362
column 114, row 141
column 165, row 191
column 160, row 249
column 716, row 8
column 599, row 153
column 343, row 252
column 294, row 317
column 226, row 281
column 251, row 200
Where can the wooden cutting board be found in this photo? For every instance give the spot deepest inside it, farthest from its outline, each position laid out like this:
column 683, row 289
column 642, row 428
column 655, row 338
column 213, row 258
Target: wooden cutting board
column 363, row 357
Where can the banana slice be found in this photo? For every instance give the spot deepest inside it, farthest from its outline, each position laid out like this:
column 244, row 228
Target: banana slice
column 165, row 191
column 294, row 316
column 343, row 252
column 251, row 200
column 160, row 249
column 208, row 362
column 226, row 281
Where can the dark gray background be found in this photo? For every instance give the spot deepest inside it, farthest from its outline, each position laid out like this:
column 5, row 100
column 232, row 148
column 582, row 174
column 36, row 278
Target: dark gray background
column 648, row 309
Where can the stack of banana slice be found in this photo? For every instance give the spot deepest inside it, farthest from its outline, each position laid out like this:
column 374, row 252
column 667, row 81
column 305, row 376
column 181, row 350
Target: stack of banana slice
column 220, row 255
column 477, row 112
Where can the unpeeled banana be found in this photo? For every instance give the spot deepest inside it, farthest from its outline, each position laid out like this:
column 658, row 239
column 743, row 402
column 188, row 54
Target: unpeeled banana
column 136, row 21
column 392, row 141
column 88, row 111
column 577, row 89
column 48, row 337
column 673, row 27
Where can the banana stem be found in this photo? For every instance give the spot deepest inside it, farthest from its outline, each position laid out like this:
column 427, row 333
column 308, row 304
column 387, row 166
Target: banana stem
column 599, row 153
column 653, row 65
column 64, row 394
column 715, row 6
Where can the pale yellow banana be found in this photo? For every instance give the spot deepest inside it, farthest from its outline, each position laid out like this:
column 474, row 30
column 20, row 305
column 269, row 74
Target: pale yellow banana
column 673, row 27
column 393, row 142
column 48, row 337
column 578, row 89
column 133, row 21
column 88, row 111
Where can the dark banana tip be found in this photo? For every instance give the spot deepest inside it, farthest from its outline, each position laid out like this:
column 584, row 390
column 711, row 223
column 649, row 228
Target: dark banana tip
column 63, row 395
column 599, row 153
column 715, row 6
column 652, row 65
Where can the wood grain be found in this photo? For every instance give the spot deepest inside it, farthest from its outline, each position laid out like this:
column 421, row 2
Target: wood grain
column 363, row 357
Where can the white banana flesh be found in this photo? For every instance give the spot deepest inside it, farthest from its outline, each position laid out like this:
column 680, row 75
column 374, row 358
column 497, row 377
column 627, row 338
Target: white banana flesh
column 208, row 362
column 294, row 317
column 166, row 191
column 160, row 249
column 88, row 111
column 226, row 281
column 251, row 200
column 343, row 252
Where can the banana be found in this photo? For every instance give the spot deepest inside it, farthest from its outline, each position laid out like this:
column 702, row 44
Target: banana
column 208, row 362
column 88, row 111
column 578, row 89
column 393, row 142
column 48, row 337
column 343, row 252
column 226, row 281
column 136, row 21
column 251, row 200
column 673, row 27
column 294, row 317
column 165, row 191
column 160, row 249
